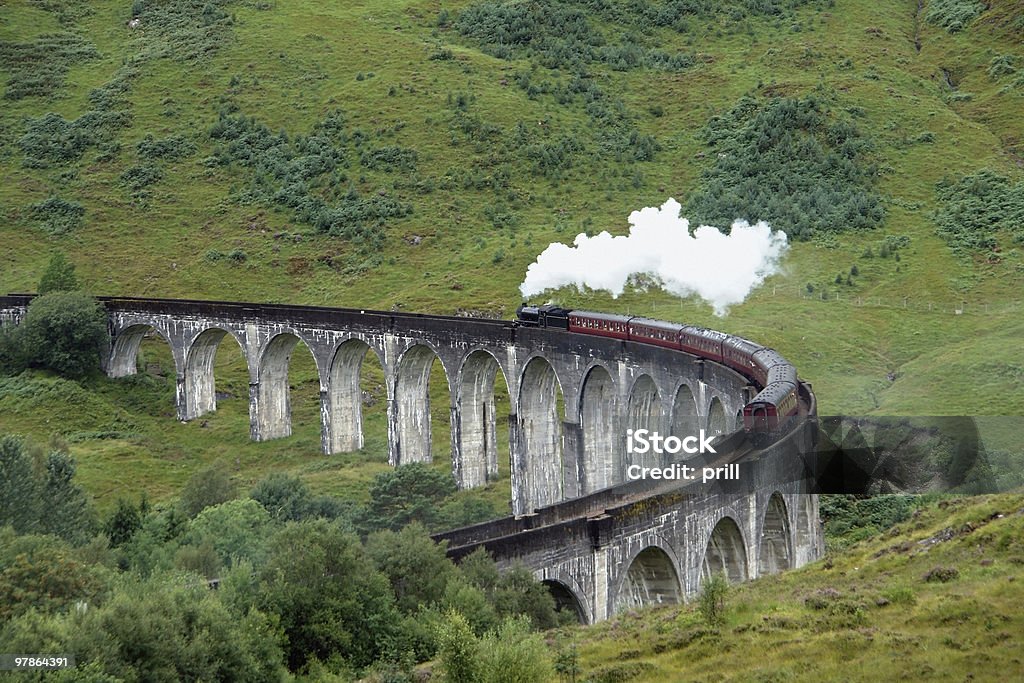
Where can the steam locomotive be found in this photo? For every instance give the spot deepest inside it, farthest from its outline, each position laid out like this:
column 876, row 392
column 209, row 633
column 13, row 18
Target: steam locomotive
column 767, row 415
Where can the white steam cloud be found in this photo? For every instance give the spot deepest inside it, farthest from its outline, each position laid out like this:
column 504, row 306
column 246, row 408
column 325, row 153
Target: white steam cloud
column 721, row 269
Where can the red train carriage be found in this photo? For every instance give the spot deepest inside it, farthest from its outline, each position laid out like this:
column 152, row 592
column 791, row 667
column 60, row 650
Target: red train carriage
column 657, row 332
column 738, row 354
column 600, row 324
column 764, row 361
column 771, row 409
column 702, row 342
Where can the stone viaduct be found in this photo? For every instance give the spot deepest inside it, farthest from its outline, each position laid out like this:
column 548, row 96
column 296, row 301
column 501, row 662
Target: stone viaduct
column 572, row 397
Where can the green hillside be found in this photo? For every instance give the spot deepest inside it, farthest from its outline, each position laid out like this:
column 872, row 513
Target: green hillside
column 935, row 598
column 420, row 155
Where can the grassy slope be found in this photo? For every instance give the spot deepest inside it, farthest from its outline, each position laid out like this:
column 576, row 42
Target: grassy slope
column 866, row 614
column 295, row 61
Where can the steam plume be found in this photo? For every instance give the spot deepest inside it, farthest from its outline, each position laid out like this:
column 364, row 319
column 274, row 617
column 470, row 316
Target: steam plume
column 721, row 269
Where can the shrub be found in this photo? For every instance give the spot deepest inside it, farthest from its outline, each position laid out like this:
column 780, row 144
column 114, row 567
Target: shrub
column 138, row 178
column 211, row 485
column 173, row 147
column 953, row 15
column 712, row 600
column 56, row 215
column 38, row 68
column 790, row 162
column 973, row 209
column 52, row 139
column 941, row 574
column 64, row 332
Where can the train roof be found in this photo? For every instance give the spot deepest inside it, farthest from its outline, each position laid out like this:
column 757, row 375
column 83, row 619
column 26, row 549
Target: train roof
column 660, row 324
column 610, row 317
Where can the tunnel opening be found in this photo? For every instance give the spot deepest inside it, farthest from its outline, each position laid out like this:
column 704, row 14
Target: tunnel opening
column 718, row 423
column 644, row 412
column 685, row 416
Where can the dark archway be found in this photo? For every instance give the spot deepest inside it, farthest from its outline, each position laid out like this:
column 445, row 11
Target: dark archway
column 566, row 600
column 718, row 423
column 644, row 412
column 685, row 416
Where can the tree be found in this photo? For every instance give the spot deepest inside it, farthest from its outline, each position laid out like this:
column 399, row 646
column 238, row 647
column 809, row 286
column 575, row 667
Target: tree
column 41, row 572
column 459, row 651
column 64, row 332
column 59, row 276
column 513, row 654
column 519, row 593
column 404, row 494
column 285, row 497
column 331, row 600
column 68, row 512
column 417, row 567
column 123, row 523
column 237, row 530
column 19, row 497
column 209, row 486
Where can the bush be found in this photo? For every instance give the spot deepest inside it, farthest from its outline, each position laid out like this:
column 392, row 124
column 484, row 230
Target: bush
column 953, row 15
column 975, row 208
column 52, row 139
column 712, row 600
column 57, row 216
column 174, row 147
column 790, row 162
column 211, row 485
column 303, row 174
column 62, row 331
column 38, row 68
column 513, row 654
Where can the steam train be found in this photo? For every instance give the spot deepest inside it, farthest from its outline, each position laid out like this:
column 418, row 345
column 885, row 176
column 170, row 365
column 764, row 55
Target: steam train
column 767, row 415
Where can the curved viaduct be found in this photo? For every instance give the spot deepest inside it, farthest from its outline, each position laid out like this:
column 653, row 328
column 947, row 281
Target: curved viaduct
column 602, row 544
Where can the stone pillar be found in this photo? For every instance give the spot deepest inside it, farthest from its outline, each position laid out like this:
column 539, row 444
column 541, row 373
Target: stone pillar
column 573, row 483
column 254, row 411
column 325, row 422
column 600, row 584
column 394, row 448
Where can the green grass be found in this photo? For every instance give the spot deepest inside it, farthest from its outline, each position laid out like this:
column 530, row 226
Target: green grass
column 488, row 195
column 875, row 611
